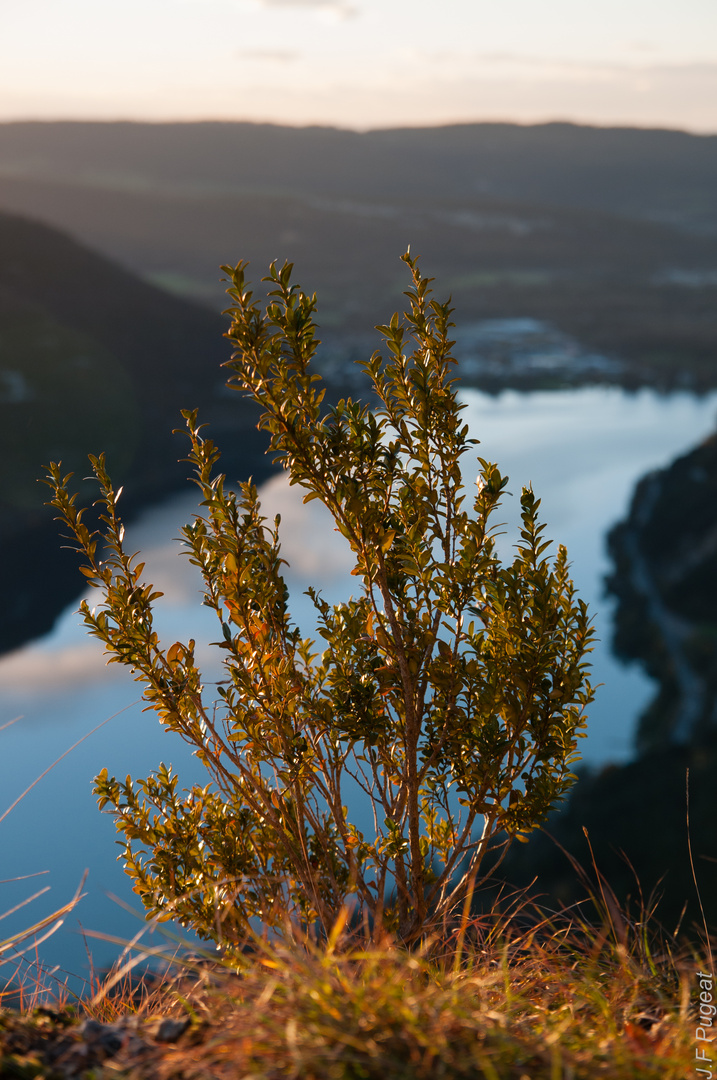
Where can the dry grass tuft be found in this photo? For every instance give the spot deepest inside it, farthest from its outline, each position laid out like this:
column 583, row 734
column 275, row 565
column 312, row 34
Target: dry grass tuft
column 556, row 1000
column 522, row 995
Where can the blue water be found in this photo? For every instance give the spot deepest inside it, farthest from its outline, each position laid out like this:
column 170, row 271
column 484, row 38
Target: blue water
column 583, row 451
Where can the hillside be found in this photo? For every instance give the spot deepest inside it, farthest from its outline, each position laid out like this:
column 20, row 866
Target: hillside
column 607, row 236
column 92, row 359
column 665, row 581
column 636, row 822
column 651, row 174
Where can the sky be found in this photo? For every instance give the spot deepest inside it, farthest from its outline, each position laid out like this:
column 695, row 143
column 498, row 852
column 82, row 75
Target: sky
column 362, row 63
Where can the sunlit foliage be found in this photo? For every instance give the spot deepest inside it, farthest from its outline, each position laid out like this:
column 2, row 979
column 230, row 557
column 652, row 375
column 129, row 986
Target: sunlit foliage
column 451, row 689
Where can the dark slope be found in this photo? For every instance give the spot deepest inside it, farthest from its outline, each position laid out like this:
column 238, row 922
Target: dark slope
column 635, row 816
column 92, row 360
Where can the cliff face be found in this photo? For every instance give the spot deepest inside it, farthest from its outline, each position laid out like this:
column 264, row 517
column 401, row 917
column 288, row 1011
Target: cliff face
column 665, row 580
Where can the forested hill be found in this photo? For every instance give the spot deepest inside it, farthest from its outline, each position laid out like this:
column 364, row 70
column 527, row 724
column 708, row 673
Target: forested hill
column 93, row 359
column 654, row 174
column 606, row 236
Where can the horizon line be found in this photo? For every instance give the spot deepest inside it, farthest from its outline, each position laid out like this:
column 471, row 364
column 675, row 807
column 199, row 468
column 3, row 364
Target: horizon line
column 361, row 129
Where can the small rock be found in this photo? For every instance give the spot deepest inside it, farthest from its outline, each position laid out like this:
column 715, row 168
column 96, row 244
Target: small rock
column 169, row 1029
column 105, row 1036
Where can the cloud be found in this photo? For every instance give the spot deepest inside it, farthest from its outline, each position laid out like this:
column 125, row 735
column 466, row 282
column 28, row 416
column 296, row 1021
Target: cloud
column 50, row 670
column 312, row 546
column 492, row 64
column 336, row 10
column 495, row 65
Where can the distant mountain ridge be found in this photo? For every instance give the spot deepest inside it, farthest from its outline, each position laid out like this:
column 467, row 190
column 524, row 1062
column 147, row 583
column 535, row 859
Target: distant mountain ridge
column 648, row 173
column 607, row 235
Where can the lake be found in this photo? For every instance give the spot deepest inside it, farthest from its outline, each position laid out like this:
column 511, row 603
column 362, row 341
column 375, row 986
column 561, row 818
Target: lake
column 583, row 451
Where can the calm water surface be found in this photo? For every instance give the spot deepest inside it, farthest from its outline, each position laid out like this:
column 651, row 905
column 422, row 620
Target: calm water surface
column 582, row 450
